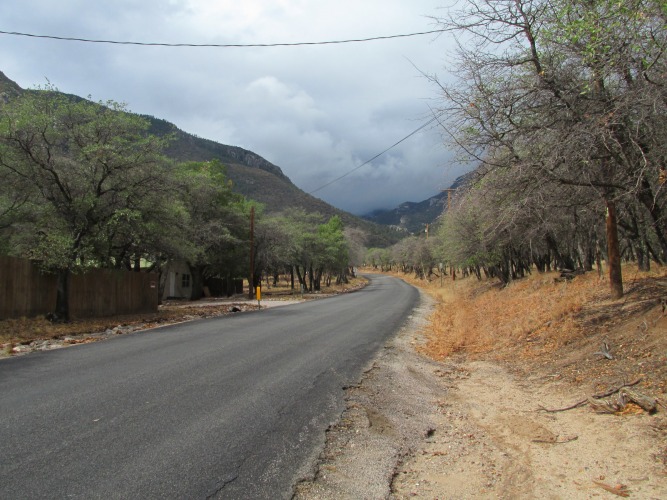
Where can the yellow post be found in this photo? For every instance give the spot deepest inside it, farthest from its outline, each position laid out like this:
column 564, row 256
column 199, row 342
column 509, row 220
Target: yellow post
column 258, row 293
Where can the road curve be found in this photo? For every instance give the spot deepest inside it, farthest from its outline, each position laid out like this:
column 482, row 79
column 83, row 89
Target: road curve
column 234, row 407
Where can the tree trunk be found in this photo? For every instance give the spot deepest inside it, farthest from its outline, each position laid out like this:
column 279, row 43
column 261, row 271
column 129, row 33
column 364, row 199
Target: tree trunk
column 301, row 277
column 196, row 282
column 311, row 279
column 643, row 259
column 61, row 312
column 613, row 252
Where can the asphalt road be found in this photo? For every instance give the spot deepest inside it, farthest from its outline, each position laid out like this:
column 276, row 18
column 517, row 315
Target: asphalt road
column 235, row 407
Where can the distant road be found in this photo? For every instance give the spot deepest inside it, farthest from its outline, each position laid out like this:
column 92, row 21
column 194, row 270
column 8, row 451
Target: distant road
column 235, row 407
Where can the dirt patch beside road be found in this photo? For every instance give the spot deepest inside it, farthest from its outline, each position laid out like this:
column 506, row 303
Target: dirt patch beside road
column 460, row 428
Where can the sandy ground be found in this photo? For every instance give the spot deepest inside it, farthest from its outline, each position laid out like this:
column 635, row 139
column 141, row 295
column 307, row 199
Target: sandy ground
column 416, row 428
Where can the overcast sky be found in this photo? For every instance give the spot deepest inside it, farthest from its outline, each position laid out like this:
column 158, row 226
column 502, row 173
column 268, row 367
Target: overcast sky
column 317, row 111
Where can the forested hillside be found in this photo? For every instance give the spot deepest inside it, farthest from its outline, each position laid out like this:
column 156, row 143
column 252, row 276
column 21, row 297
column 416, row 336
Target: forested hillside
column 413, row 217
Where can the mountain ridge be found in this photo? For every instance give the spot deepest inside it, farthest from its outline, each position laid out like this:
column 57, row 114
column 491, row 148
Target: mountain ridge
column 412, row 217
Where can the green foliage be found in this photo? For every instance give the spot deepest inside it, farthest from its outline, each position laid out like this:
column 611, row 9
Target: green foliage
column 303, row 242
column 332, row 253
column 84, row 170
column 217, row 227
column 378, row 258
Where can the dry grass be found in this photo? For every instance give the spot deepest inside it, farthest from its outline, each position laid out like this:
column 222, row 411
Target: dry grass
column 550, row 332
column 539, row 313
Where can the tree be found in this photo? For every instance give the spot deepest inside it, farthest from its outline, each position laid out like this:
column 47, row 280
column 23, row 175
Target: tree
column 217, row 223
column 378, row 257
column 332, row 251
column 80, row 171
column 565, row 94
column 311, row 248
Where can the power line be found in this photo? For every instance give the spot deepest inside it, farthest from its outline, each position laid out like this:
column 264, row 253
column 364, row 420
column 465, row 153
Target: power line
column 218, row 45
column 421, row 127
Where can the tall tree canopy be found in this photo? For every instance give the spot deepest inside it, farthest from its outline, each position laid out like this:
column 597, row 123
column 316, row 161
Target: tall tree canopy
column 79, row 178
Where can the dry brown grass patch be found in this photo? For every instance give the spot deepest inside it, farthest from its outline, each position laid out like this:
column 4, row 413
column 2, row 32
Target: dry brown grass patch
column 539, row 313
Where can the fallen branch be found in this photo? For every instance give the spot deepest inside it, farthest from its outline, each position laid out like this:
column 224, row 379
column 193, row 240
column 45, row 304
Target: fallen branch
column 571, row 407
column 620, row 489
column 615, row 390
column 594, row 396
column 646, row 403
column 620, row 403
column 556, row 441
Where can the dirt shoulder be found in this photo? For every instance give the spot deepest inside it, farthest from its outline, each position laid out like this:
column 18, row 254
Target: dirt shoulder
column 472, row 428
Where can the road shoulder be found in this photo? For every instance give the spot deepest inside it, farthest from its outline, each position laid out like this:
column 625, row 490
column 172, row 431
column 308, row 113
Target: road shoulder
column 417, row 428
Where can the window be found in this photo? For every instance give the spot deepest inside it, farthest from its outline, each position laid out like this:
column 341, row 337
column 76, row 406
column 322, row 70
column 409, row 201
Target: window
column 185, row 281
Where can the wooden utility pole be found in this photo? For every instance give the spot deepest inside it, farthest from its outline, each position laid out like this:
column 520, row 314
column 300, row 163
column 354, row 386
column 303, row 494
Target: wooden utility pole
column 251, row 276
column 449, row 197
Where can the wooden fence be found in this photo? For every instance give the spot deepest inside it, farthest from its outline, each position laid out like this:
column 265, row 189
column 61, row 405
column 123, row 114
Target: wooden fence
column 26, row 291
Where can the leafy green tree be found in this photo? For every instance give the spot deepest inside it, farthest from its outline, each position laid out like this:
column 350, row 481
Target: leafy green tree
column 301, row 230
column 274, row 247
column 379, row 258
column 332, row 254
column 80, row 171
column 217, row 223
column 311, row 248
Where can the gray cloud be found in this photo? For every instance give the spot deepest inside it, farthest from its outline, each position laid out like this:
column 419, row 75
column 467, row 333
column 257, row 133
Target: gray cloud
column 315, row 111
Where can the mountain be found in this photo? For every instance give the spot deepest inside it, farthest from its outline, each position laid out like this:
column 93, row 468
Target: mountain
column 412, row 217
column 251, row 175
column 8, row 88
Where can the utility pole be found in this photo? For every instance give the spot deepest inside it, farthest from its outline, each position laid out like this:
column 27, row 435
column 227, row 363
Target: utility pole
column 449, row 206
column 252, row 254
column 449, row 197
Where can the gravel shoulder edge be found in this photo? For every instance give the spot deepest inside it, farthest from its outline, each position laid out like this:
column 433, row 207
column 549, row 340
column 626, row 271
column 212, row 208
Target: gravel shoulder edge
column 388, row 415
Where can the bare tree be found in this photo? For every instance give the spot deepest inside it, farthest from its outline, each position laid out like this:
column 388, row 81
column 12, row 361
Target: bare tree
column 568, row 95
